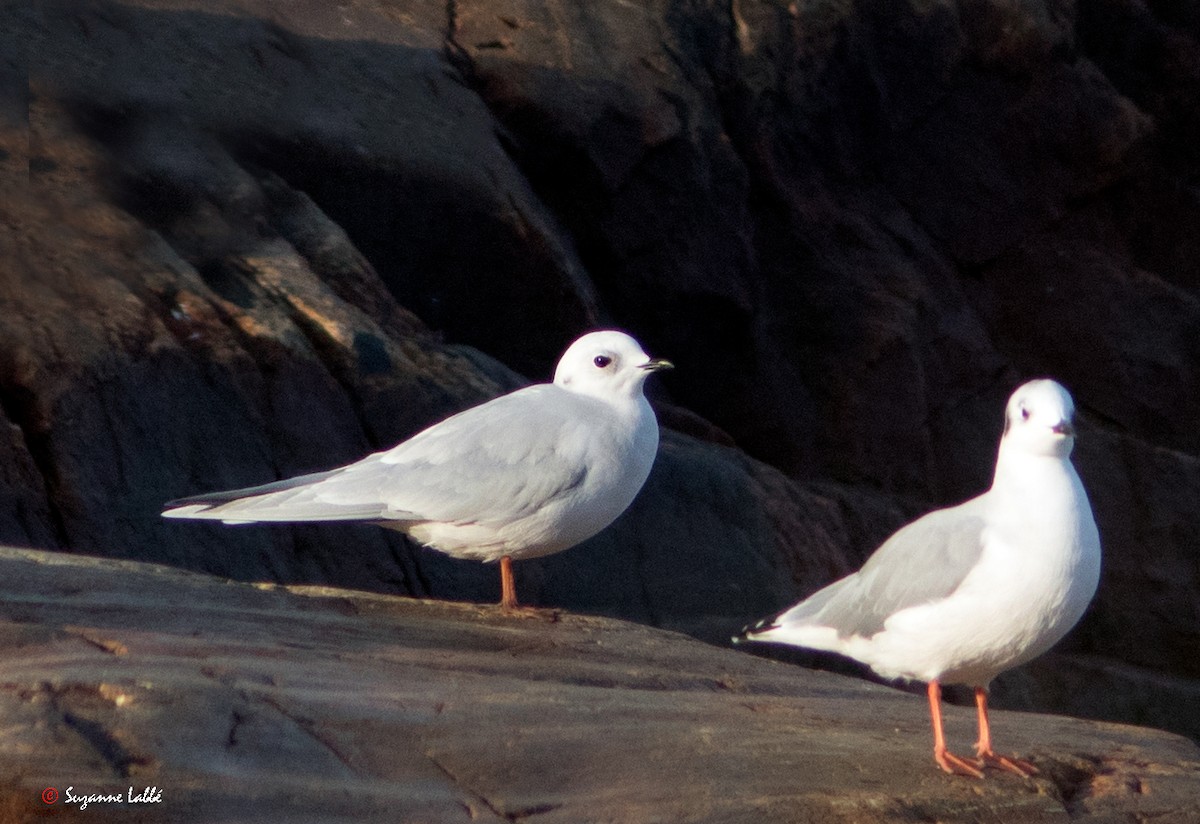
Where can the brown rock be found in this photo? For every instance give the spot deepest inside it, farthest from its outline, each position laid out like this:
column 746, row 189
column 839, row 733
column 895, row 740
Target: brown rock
column 243, row 241
column 305, row 704
column 22, row 492
column 160, row 376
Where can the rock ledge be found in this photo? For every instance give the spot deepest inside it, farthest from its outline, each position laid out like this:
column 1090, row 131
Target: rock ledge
column 241, row 702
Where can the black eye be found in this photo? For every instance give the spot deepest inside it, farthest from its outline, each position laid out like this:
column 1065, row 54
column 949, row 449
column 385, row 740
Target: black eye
column 601, row 361
column 1024, row 413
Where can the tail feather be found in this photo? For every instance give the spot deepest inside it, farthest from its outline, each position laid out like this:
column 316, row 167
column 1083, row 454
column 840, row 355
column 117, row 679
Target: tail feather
column 292, row 499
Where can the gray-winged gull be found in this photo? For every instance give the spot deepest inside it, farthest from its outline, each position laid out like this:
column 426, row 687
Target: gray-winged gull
column 965, row 593
column 527, row 474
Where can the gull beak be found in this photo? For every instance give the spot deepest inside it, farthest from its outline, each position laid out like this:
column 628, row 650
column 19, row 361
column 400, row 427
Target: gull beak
column 655, row 364
column 1064, row 428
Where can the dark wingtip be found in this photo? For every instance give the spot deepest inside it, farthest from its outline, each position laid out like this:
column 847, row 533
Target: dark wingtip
column 744, row 635
column 208, row 500
column 194, row 500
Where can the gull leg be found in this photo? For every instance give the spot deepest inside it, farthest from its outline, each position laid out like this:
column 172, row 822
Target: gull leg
column 508, row 590
column 945, row 759
column 983, row 748
column 508, row 597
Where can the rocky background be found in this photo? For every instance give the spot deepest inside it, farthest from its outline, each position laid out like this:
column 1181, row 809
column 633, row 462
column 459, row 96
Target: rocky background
column 240, row 240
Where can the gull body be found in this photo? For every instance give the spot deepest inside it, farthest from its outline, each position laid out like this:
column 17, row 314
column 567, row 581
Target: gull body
column 965, row 593
column 527, row 474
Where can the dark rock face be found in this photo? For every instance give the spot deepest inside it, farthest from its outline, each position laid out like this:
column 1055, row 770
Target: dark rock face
column 264, row 703
column 242, row 242
column 270, row 353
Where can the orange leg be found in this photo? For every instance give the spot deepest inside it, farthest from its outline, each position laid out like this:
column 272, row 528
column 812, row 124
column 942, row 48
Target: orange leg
column 508, row 590
column 945, row 759
column 988, row 758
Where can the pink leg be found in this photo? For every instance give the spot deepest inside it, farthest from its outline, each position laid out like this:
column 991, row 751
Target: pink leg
column 945, row 759
column 988, row 758
column 508, row 590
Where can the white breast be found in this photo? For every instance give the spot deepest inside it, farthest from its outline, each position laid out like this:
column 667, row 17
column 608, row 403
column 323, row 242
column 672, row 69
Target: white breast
column 1038, row 571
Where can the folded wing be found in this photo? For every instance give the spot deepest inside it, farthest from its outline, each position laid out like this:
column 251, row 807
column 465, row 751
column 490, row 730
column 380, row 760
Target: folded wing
column 923, row 562
column 494, row 461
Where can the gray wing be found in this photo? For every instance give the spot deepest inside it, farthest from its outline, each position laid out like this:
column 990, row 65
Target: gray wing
column 197, row 505
column 922, row 562
column 499, row 460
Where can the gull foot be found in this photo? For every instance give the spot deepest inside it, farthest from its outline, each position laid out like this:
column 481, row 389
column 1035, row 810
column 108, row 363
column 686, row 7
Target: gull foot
column 547, row 614
column 1002, row 762
column 956, row 765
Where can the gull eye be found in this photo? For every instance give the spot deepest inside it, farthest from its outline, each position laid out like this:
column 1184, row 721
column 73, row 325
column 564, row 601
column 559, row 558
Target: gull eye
column 601, row 361
column 1024, row 413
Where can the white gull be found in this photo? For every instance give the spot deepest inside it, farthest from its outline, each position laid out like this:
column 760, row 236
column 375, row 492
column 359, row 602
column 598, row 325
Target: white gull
column 965, row 593
column 527, row 474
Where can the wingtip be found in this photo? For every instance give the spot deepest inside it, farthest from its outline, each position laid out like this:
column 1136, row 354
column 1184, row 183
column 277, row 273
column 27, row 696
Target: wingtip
column 751, row 631
column 183, row 509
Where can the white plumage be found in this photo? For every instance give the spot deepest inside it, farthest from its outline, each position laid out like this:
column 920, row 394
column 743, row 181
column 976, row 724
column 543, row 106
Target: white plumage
column 527, row 474
column 965, row 593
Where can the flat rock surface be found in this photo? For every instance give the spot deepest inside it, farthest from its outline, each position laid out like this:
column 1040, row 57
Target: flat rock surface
column 239, row 702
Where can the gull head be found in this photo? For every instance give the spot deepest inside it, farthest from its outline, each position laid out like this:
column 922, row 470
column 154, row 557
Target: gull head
column 607, row 365
column 1039, row 419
